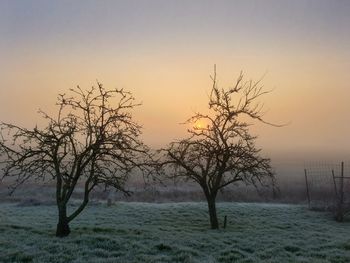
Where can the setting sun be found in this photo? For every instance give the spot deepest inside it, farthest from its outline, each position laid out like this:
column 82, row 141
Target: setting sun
column 199, row 125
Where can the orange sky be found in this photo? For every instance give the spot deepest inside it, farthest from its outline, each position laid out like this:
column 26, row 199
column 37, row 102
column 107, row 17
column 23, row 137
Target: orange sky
column 165, row 56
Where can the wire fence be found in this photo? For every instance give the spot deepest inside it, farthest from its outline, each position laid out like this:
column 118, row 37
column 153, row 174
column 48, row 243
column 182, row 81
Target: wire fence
column 328, row 187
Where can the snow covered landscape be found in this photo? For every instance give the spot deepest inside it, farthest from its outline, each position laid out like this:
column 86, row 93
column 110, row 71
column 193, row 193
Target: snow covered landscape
column 174, row 232
column 174, row 131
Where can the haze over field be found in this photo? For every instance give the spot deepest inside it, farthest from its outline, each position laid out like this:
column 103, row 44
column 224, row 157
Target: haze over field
column 209, row 175
column 164, row 52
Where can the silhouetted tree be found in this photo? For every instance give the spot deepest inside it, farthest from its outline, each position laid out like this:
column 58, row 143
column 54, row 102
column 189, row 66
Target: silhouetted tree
column 220, row 150
column 92, row 141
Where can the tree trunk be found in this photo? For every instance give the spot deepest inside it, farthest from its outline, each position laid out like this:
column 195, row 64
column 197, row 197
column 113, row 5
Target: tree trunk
column 214, row 223
column 63, row 229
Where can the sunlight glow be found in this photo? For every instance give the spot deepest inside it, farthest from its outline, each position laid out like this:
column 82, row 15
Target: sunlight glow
column 199, row 125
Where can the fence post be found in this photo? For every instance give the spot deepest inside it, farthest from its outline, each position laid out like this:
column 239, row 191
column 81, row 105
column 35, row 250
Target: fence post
column 342, row 183
column 340, row 208
column 225, row 221
column 307, row 188
column 335, row 185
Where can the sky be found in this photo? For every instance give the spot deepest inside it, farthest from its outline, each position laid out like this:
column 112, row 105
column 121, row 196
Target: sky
column 164, row 52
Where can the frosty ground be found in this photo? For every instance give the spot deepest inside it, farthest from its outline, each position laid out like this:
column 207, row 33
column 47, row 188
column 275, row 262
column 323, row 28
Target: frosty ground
column 177, row 232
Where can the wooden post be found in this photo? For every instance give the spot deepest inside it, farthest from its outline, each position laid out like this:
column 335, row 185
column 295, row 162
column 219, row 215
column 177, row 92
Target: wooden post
column 342, row 183
column 335, row 186
column 340, row 209
column 225, row 221
column 307, row 188
column 336, row 196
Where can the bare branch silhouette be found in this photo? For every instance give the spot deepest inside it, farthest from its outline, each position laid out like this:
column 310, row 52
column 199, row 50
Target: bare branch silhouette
column 222, row 150
column 93, row 140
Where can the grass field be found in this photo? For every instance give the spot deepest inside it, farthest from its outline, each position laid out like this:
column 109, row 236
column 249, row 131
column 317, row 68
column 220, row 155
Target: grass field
column 140, row 232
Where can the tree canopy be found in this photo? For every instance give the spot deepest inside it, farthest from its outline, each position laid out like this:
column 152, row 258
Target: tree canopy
column 93, row 140
column 220, row 149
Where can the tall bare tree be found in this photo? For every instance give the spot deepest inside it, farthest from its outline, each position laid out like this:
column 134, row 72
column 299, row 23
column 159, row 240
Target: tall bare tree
column 92, row 141
column 220, row 149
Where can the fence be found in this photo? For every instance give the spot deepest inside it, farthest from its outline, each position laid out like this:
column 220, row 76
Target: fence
column 328, row 187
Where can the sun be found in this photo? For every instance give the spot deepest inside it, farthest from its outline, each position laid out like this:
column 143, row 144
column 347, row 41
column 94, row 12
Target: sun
column 199, row 125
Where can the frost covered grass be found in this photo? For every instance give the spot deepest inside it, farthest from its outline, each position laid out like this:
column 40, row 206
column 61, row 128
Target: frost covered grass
column 139, row 232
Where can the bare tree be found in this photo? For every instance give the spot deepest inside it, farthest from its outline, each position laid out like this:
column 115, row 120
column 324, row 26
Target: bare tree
column 92, row 141
column 220, row 150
